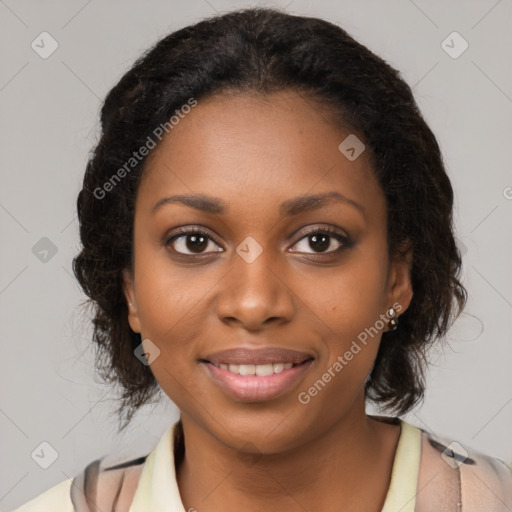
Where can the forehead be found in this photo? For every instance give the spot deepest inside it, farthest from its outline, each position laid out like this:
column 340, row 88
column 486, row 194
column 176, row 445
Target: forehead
column 257, row 150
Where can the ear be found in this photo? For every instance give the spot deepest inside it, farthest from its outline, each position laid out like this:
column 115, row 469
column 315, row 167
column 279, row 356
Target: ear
column 129, row 293
column 399, row 281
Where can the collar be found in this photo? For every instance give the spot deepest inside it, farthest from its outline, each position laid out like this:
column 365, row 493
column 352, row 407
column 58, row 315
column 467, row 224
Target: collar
column 158, row 488
column 404, row 475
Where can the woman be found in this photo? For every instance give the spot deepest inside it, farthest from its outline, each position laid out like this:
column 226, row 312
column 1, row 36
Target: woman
column 267, row 237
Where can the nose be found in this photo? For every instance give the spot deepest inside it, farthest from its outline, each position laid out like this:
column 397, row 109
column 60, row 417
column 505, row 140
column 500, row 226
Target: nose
column 255, row 294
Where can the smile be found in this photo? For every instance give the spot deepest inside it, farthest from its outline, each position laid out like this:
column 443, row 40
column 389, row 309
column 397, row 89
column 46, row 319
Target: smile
column 256, row 374
column 261, row 370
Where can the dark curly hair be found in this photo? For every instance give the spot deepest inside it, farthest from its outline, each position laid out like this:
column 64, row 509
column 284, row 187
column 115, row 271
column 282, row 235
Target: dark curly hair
column 262, row 51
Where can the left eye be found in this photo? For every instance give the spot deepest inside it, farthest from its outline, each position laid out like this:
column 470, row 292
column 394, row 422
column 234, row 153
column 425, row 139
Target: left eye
column 320, row 241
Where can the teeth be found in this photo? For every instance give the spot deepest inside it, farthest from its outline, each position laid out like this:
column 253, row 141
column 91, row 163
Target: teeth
column 247, row 369
column 261, row 370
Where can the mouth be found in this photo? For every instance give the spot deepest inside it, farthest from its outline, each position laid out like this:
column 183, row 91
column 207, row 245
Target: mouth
column 261, row 370
column 257, row 375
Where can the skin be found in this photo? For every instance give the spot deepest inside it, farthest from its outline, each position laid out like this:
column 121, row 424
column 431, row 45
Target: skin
column 328, row 454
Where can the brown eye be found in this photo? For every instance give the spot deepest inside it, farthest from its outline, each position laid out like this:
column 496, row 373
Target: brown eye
column 321, row 240
column 191, row 242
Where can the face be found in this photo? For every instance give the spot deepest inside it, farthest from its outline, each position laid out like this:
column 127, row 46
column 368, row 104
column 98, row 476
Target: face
column 253, row 278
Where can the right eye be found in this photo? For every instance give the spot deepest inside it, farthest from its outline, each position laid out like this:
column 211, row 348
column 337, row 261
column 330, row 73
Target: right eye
column 194, row 240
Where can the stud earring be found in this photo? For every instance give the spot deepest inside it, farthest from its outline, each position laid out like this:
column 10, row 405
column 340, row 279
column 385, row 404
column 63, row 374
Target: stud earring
column 393, row 319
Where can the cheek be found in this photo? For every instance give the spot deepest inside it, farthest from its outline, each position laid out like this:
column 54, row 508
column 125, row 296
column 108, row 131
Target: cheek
column 350, row 297
column 167, row 295
column 350, row 302
column 170, row 321
column 169, row 310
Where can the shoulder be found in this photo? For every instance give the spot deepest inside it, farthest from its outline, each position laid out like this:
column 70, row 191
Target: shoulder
column 112, row 483
column 459, row 476
column 55, row 498
column 106, row 480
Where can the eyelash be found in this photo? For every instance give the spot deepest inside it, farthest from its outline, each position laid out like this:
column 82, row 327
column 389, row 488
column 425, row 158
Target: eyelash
column 342, row 239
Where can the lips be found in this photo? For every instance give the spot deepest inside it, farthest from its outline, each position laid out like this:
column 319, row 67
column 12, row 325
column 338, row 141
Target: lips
column 258, row 374
column 261, row 356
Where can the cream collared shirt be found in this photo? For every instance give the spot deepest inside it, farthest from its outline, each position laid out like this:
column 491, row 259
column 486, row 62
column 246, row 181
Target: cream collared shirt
column 428, row 474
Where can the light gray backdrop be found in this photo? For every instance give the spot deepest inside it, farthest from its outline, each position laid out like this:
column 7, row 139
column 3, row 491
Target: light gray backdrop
column 49, row 110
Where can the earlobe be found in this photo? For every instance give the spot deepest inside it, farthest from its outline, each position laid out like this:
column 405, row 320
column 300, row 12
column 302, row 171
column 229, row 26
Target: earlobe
column 129, row 293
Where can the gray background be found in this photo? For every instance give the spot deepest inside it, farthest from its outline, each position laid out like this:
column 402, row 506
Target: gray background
column 49, row 112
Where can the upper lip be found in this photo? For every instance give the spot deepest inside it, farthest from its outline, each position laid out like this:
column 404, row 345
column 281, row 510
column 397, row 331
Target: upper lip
column 243, row 355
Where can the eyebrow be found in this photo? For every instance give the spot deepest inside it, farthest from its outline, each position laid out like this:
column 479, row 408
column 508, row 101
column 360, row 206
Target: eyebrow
column 288, row 208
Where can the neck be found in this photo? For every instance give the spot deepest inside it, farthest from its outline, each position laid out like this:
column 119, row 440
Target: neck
column 339, row 466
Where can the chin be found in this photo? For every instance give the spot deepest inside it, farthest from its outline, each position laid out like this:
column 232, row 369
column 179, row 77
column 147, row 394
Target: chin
column 263, row 432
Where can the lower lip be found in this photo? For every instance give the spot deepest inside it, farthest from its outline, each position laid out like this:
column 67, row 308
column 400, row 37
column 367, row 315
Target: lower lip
column 251, row 388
